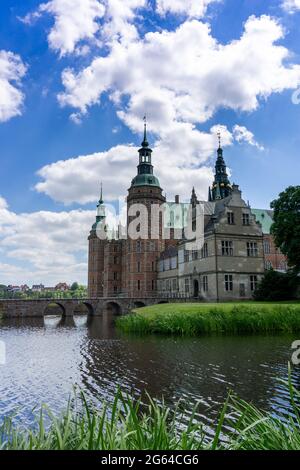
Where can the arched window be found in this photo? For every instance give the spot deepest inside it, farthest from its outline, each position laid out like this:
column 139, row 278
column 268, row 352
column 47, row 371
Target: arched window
column 268, row 265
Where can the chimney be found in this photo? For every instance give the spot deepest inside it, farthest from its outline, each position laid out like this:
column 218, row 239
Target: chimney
column 176, row 199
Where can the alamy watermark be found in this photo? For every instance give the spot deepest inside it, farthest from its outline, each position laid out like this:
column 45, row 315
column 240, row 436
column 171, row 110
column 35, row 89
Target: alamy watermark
column 2, row 353
column 296, row 97
column 296, row 353
column 154, row 222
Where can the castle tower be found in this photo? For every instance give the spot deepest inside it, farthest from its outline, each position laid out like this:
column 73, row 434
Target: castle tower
column 96, row 252
column 221, row 187
column 142, row 252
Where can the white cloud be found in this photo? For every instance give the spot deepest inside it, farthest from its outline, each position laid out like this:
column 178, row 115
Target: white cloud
column 291, row 5
column 88, row 21
column 74, row 21
column 119, row 20
column 12, row 70
column 179, row 160
column 155, row 78
column 242, row 134
column 191, row 8
column 52, row 245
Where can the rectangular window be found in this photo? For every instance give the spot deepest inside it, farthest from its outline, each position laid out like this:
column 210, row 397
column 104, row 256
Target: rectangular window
column 204, row 251
column 139, row 285
column 227, row 248
column 253, row 283
column 228, row 282
column 230, row 218
column 187, row 285
column 174, row 286
column 116, row 260
column 204, row 283
column 186, row 256
column 138, row 246
column 153, row 266
column 138, row 267
column 194, row 255
column 115, row 276
column 246, row 219
column 252, row 249
column 267, row 247
column 153, row 284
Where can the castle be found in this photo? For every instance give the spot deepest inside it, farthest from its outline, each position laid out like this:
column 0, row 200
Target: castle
column 235, row 251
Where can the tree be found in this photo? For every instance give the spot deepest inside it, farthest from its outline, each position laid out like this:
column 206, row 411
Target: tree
column 286, row 226
column 74, row 286
column 276, row 286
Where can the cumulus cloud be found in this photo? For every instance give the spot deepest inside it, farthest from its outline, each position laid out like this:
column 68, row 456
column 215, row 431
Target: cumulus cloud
column 291, row 5
column 152, row 74
column 74, row 21
column 190, row 8
column 242, row 134
column 52, row 244
column 12, row 70
column 80, row 22
column 179, row 158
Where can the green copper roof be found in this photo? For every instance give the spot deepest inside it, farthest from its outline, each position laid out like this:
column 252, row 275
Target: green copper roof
column 265, row 218
column 145, row 175
column 145, row 179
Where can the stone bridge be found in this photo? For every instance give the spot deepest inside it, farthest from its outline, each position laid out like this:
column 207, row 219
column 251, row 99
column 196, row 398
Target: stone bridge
column 67, row 307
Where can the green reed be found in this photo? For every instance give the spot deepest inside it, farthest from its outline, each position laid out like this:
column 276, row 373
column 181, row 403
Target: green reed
column 199, row 319
column 128, row 424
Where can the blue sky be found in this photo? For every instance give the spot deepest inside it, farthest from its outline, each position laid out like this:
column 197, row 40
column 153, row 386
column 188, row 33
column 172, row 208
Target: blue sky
column 76, row 82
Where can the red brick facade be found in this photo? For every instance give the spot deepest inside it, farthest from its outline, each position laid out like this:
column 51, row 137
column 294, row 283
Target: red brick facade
column 274, row 259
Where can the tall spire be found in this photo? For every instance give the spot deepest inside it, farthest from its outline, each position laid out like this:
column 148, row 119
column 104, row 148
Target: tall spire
column 145, row 175
column 219, row 138
column 194, row 199
column 145, row 142
column 100, row 205
column 221, row 187
column 101, row 194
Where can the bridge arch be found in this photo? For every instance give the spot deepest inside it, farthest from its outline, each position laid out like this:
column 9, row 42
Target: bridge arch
column 139, row 304
column 113, row 308
column 83, row 308
column 54, row 308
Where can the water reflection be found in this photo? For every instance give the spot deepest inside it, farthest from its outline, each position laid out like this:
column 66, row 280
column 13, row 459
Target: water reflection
column 80, row 320
column 46, row 357
column 52, row 321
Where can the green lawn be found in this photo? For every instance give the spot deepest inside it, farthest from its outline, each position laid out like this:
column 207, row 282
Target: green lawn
column 194, row 319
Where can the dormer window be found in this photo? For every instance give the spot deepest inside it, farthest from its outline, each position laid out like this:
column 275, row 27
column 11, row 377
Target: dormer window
column 246, row 219
column 230, row 218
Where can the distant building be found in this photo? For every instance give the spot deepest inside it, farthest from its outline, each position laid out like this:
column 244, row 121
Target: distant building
column 25, row 288
column 38, row 288
column 14, row 289
column 62, row 286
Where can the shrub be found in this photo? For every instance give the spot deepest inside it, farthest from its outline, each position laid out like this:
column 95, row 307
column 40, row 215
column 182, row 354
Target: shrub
column 277, row 286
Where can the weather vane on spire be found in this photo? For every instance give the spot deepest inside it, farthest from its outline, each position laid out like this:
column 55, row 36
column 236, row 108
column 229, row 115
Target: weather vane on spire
column 219, row 137
column 145, row 143
column 101, row 193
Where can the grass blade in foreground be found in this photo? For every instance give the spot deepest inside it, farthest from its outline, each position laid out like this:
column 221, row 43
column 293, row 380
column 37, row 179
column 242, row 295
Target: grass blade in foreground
column 129, row 425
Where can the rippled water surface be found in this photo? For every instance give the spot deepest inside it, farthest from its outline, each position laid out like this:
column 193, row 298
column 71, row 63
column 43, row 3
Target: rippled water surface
column 45, row 359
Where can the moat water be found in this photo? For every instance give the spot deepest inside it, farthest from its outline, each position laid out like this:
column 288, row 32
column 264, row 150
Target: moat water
column 46, row 358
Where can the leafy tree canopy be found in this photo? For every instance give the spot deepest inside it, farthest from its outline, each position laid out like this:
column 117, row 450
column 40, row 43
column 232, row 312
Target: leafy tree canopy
column 286, row 226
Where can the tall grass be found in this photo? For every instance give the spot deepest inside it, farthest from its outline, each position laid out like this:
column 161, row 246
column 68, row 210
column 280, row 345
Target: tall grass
column 230, row 319
column 129, row 425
